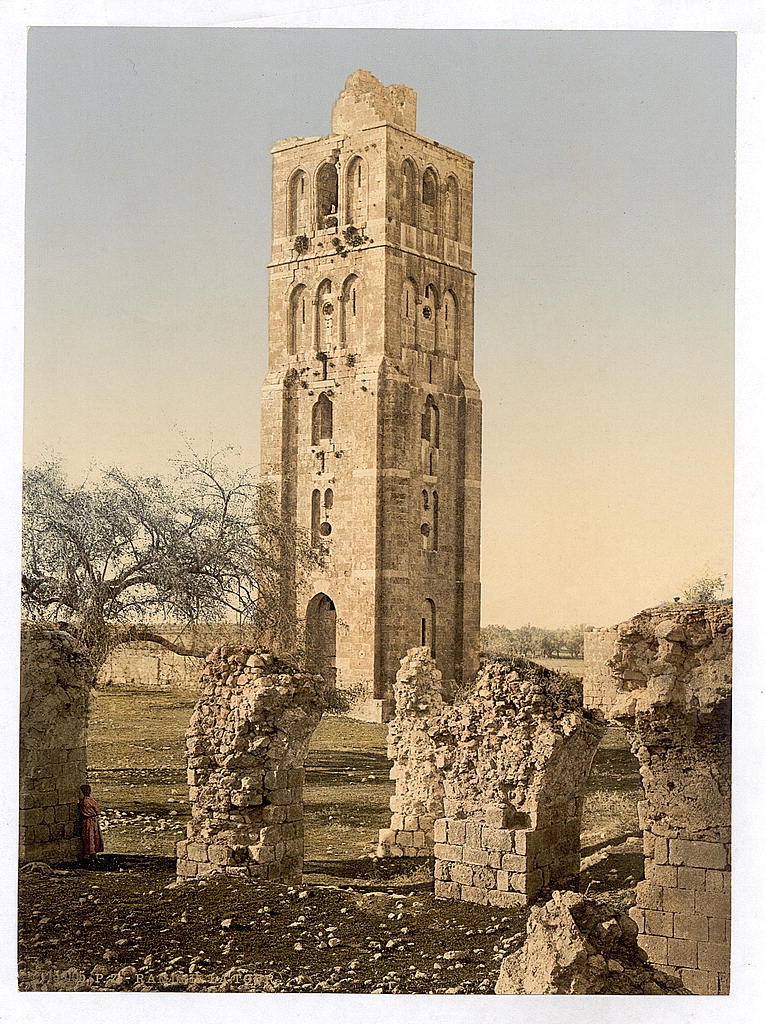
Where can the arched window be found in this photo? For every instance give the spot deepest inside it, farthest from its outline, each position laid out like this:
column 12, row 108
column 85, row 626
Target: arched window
column 450, row 322
column 431, row 422
column 321, row 419
column 352, row 313
column 434, row 528
column 426, row 335
column 425, row 500
column 326, row 317
column 297, row 203
column 356, row 192
column 428, row 626
column 326, row 196
column 315, row 517
column 452, row 208
column 329, row 498
column 409, row 312
column 430, row 200
column 300, row 320
column 408, row 193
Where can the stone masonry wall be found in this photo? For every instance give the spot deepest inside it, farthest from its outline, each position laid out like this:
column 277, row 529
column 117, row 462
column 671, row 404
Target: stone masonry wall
column 144, row 667
column 246, row 746
column 506, row 766
column 671, row 690
column 597, row 684
column 56, row 682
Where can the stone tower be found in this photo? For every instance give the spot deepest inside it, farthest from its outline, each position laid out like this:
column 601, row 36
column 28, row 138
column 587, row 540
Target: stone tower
column 371, row 417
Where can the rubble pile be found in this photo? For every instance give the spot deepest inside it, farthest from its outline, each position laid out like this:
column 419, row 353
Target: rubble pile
column 575, row 946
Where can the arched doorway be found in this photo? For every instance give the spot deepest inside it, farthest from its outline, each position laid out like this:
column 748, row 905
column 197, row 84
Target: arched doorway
column 321, row 636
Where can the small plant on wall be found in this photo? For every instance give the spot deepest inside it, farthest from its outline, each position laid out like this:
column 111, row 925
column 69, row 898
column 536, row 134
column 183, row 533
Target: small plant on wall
column 301, row 245
column 352, row 239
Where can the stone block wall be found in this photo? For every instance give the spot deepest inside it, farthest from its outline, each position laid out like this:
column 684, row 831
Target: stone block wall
column 597, row 684
column 56, row 682
column 671, row 691
column 506, row 768
column 246, row 746
column 504, row 867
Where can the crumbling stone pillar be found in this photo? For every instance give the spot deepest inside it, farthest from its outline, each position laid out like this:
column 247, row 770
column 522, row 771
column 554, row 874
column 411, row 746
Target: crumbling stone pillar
column 507, row 766
column 56, row 682
column 246, row 745
column 672, row 690
column 419, row 795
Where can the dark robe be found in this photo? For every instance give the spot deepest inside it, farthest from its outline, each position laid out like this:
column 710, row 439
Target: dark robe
column 89, row 830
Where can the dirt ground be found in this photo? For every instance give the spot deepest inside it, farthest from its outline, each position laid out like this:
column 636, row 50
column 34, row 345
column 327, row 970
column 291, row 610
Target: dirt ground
column 355, row 924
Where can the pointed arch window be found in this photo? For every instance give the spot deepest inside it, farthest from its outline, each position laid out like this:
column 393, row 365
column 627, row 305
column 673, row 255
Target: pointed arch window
column 352, row 312
column 450, row 319
column 431, row 422
column 428, row 626
column 321, row 420
column 326, row 318
column 452, row 208
column 430, row 200
column 409, row 312
column 315, row 517
column 326, row 196
column 300, row 326
column 297, row 203
column 408, row 196
column 356, row 192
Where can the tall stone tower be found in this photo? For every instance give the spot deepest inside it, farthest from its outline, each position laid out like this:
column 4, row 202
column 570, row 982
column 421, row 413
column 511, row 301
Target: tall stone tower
column 371, row 418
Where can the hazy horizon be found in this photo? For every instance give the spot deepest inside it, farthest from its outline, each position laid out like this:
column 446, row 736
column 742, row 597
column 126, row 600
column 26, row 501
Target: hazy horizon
column 603, row 243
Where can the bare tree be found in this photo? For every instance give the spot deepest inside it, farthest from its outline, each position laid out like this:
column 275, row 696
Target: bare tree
column 206, row 544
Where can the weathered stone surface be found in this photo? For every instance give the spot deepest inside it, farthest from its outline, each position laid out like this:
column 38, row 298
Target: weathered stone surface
column 668, row 679
column 246, row 746
column 575, row 946
column 503, row 770
column 56, row 682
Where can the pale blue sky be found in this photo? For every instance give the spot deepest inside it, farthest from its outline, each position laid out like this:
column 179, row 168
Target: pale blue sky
column 604, row 241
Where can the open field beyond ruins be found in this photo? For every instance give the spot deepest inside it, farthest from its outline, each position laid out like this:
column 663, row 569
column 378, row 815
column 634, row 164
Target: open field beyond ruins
column 355, row 924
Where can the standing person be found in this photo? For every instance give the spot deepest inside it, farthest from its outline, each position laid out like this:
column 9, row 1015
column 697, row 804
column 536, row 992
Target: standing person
column 92, row 843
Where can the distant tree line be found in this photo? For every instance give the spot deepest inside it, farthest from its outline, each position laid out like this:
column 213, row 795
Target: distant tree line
column 534, row 641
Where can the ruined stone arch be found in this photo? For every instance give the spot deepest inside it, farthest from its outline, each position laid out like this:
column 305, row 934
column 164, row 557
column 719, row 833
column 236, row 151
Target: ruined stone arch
column 300, row 320
column 408, row 193
column 297, row 202
column 352, row 313
column 429, row 206
column 450, row 324
column 326, row 195
column 356, row 192
column 452, row 208
column 321, row 419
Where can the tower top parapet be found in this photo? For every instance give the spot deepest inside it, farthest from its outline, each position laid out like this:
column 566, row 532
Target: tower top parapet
column 365, row 101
